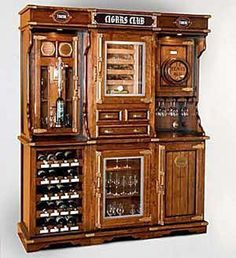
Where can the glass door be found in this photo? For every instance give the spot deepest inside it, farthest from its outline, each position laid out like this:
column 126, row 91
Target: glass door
column 56, row 73
column 123, row 189
column 123, row 68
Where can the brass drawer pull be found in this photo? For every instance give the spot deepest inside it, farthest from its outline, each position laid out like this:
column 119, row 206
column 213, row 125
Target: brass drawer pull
column 109, row 116
column 137, row 130
column 107, row 131
column 137, row 116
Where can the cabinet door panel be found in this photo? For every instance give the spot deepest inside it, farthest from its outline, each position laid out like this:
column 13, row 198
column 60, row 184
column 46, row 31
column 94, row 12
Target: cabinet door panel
column 180, row 181
column 181, row 191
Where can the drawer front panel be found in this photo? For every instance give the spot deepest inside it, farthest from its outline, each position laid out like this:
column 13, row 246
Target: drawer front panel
column 104, row 115
column 124, row 130
column 137, row 115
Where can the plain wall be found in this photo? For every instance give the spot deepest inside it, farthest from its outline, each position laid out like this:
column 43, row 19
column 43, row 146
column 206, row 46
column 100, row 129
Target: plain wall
column 217, row 109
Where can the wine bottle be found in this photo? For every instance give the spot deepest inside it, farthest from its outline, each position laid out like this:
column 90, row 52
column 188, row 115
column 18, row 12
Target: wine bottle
column 42, row 173
column 50, row 221
column 50, row 156
column 41, row 157
column 72, row 204
column 62, row 205
column 69, row 155
column 61, row 221
column 72, row 172
column 60, row 112
column 52, row 172
column 42, row 206
column 59, row 155
column 52, row 189
column 61, row 188
column 42, row 189
column 51, row 205
column 71, row 220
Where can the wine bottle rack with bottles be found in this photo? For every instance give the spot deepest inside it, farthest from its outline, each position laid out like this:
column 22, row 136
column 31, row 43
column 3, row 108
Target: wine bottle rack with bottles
column 59, row 185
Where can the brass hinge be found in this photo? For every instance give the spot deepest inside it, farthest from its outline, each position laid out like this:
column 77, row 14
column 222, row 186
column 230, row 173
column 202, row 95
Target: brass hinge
column 146, row 219
column 39, row 130
column 146, row 100
column 39, row 37
column 153, row 228
column 199, row 146
column 146, row 152
column 187, row 89
column 198, row 217
column 90, row 235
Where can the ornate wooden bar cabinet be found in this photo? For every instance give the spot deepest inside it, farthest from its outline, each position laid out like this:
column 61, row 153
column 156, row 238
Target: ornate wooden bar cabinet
column 111, row 141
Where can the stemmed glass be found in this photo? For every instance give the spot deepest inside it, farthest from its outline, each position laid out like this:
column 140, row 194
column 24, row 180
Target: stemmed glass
column 120, row 209
column 123, row 182
column 184, row 110
column 130, row 183
column 132, row 210
column 135, row 181
column 111, row 210
column 173, row 110
column 109, row 184
column 116, row 183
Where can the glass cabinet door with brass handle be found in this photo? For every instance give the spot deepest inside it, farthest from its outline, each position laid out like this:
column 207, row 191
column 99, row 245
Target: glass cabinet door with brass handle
column 123, row 68
column 124, row 192
column 56, row 72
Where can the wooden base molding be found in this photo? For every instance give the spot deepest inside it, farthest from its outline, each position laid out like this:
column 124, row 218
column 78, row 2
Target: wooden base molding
column 99, row 237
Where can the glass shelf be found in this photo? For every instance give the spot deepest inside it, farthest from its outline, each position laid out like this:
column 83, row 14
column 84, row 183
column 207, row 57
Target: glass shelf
column 123, row 187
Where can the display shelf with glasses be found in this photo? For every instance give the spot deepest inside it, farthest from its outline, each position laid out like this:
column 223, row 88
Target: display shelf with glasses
column 123, row 186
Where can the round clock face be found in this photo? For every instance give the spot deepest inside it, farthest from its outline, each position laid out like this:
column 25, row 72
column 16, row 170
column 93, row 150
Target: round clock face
column 176, row 71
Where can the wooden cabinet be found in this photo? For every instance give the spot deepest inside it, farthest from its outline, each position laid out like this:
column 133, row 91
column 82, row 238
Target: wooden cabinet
column 112, row 145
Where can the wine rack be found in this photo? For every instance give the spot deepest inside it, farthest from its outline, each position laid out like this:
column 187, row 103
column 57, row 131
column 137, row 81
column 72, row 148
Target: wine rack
column 123, row 187
column 59, row 185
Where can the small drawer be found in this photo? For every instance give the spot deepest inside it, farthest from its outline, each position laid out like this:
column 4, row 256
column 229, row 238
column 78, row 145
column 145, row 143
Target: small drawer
column 137, row 115
column 123, row 130
column 105, row 115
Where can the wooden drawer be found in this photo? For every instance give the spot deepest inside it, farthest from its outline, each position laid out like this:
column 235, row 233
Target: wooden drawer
column 109, row 115
column 137, row 115
column 122, row 130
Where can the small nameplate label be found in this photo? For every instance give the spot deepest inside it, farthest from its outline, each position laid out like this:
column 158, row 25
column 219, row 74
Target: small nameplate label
column 56, row 165
column 65, row 164
column 74, row 212
column 42, row 215
column 64, row 212
column 61, row 16
column 74, row 228
column 124, row 19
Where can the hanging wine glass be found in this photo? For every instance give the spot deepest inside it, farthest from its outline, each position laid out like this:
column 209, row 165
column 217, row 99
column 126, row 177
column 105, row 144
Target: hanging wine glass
column 184, row 110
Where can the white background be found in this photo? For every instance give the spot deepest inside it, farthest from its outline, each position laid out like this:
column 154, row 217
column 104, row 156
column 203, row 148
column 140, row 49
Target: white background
column 217, row 110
